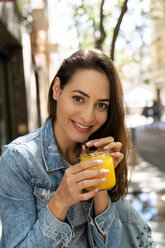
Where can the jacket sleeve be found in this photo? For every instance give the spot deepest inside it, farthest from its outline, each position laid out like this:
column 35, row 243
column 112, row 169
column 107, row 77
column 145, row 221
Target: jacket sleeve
column 20, row 225
column 109, row 224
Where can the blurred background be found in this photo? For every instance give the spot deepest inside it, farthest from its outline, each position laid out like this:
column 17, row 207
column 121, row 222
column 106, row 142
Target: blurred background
column 36, row 35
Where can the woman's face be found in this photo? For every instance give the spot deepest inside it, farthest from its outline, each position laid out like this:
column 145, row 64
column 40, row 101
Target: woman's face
column 82, row 106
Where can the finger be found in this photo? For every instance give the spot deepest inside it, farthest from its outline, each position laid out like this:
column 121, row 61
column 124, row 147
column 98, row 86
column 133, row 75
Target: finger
column 117, row 158
column 83, row 149
column 91, row 182
column 88, row 195
column 113, row 146
column 84, row 165
column 88, row 174
column 100, row 142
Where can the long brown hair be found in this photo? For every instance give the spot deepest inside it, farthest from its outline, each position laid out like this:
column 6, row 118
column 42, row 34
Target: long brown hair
column 115, row 123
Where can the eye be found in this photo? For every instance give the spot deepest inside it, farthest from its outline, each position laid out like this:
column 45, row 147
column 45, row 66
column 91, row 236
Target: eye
column 102, row 106
column 78, row 99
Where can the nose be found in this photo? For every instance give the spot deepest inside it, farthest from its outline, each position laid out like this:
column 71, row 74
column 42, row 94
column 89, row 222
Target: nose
column 88, row 115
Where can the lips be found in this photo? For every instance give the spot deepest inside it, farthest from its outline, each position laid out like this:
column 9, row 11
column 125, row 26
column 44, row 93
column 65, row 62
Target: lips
column 81, row 127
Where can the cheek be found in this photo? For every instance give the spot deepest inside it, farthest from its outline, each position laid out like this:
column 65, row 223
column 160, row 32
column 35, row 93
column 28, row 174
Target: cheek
column 102, row 117
column 64, row 109
column 61, row 110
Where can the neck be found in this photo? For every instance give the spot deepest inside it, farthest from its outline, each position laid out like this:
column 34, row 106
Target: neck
column 69, row 149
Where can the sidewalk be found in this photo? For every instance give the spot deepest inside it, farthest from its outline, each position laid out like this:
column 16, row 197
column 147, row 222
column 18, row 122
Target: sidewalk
column 147, row 195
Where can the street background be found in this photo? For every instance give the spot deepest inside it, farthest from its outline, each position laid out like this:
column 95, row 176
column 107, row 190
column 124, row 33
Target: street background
column 147, row 189
column 147, row 195
column 150, row 176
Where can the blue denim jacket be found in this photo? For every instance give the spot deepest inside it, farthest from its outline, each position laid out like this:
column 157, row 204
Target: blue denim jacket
column 30, row 171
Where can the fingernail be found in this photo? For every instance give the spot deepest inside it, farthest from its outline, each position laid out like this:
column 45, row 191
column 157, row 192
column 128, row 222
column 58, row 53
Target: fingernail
column 88, row 143
column 106, row 147
column 96, row 143
column 96, row 189
column 105, row 171
column 100, row 162
column 103, row 179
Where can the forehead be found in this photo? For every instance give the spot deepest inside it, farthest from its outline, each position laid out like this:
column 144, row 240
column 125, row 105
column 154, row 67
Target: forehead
column 90, row 81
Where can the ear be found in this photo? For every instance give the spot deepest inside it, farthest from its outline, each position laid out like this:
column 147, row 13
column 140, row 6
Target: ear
column 56, row 88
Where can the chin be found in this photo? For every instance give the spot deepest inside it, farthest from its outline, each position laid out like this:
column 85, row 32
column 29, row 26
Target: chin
column 80, row 139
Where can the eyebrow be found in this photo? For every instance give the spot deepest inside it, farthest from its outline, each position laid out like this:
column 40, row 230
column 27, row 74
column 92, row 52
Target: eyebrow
column 81, row 92
column 84, row 94
column 104, row 100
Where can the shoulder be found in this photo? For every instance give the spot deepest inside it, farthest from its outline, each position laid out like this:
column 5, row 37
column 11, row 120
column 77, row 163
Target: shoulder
column 30, row 144
column 22, row 145
column 17, row 157
column 135, row 231
column 25, row 139
column 127, row 213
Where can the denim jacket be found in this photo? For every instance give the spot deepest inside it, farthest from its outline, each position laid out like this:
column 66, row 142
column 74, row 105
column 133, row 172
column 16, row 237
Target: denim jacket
column 30, row 171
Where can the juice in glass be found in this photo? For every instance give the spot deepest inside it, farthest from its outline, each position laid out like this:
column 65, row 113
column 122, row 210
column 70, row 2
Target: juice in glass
column 107, row 164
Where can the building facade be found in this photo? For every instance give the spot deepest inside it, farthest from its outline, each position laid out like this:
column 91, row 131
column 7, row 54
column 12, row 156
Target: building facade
column 26, row 60
column 158, row 50
column 13, row 107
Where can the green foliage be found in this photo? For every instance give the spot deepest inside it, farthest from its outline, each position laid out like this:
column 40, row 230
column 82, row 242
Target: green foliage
column 131, row 41
column 85, row 22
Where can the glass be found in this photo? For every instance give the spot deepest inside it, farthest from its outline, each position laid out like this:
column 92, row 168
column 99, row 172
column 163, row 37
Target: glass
column 107, row 164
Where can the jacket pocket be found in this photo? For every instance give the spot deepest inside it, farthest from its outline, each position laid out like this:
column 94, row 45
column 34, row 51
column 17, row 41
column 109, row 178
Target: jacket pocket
column 43, row 194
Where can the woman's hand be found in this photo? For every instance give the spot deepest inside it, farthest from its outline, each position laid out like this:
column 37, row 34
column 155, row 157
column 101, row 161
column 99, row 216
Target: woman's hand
column 101, row 199
column 76, row 178
column 108, row 143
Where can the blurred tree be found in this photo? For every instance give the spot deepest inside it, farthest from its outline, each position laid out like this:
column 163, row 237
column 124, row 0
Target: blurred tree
column 100, row 40
column 85, row 21
column 95, row 23
column 119, row 27
column 134, row 60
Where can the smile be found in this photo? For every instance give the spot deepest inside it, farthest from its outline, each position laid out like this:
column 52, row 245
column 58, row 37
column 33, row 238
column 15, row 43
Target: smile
column 81, row 127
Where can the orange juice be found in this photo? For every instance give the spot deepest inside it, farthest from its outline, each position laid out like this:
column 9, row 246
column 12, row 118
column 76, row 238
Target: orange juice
column 107, row 164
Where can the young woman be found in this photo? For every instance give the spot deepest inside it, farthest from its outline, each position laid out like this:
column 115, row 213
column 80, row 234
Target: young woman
column 42, row 197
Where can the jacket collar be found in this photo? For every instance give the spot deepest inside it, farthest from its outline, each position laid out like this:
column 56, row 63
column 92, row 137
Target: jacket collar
column 50, row 153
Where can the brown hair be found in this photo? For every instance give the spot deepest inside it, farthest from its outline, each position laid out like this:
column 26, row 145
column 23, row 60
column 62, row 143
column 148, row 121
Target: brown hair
column 115, row 123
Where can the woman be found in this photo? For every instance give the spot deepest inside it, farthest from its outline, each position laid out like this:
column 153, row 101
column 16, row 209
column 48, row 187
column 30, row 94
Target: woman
column 43, row 202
